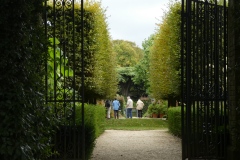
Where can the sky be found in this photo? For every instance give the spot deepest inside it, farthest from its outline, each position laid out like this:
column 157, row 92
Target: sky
column 133, row 20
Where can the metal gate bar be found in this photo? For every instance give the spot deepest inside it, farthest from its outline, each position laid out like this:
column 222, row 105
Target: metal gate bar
column 204, row 72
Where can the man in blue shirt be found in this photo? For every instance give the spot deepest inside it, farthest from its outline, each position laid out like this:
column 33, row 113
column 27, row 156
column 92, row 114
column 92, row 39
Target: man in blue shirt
column 116, row 106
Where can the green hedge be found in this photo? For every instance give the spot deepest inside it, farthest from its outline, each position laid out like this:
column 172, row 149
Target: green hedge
column 174, row 120
column 94, row 120
column 69, row 139
column 94, row 115
column 25, row 127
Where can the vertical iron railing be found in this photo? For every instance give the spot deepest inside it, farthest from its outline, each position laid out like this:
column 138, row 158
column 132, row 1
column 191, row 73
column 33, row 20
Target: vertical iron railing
column 62, row 80
column 82, row 91
column 204, row 76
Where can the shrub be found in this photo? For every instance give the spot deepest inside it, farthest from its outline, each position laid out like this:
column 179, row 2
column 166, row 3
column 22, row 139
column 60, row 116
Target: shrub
column 70, row 133
column 163, row 107
column 94, row 120
column 174, row 120
column 154, row 108
column 146, row 104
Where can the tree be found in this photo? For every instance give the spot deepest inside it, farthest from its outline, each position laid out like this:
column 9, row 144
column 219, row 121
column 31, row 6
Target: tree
column 141, row 70
column 125, row 82
column 100, row 76
column 128, row 54
column 165, row 57
column 104, row 73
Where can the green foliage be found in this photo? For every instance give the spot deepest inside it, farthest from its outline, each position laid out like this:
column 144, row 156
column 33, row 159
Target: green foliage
column 94, row 126
column 221, row 2
column 125, row 74
column 105, row 75
column 94, row 115
column 154, row 108
column 158, row 108
column 164, row 68
column 125, row 83
column 141, row 70
column 128, row 56
column 136, row 124
column 94, row 120
column 57, row 64
column 163, row 107
column 127, row 53
column 175, row 121
column 26, row 122
column 99, row 59
column 146, row 104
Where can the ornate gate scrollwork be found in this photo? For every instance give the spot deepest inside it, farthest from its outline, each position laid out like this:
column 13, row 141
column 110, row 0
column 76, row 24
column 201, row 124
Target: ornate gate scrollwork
column 64, row 68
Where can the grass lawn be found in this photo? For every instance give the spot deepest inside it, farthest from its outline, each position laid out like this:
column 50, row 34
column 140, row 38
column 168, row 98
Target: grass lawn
column 136, row 124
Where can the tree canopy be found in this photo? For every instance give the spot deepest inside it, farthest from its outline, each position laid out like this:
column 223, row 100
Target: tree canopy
column 141, row 69
column 100, row 75
column 127, row 53
column 165, row 56
column 128, row 56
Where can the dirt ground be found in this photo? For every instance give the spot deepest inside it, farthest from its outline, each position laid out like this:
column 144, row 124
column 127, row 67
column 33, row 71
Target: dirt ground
column 137, row 145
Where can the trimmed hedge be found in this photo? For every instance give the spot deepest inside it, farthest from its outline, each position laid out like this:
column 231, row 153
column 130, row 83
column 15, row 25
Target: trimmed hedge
column 94, row 120
column 97, row 47
column 68, row 139
column 94, row 115
column 94, row 123
column 174, row 121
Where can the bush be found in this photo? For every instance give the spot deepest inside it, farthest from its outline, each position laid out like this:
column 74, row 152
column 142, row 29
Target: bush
column 174, row 120
column 158, row 108
column 154, row 108
column 146, row 104
column 94, row 120
column 163, row 107
column 69, row 133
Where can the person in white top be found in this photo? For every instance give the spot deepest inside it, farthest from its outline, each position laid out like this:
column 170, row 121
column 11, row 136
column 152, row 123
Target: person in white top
column 129, row 107
column 139, row 107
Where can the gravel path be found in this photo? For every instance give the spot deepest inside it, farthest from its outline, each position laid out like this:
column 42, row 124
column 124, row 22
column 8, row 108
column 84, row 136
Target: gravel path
column 137, row 145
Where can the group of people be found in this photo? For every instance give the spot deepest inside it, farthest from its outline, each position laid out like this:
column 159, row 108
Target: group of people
column 116, row 107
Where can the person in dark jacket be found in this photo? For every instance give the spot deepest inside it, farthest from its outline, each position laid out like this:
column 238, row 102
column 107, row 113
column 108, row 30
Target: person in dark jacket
column 108, row 108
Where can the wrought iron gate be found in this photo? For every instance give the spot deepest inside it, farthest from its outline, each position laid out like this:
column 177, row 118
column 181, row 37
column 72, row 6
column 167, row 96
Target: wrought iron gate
column 65, row 72
column 204, row 79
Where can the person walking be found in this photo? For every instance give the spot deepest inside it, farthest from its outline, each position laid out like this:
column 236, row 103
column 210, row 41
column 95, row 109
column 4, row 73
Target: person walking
column 139, row 107
column 116, row 106
column 108, row 108
column 129, row 107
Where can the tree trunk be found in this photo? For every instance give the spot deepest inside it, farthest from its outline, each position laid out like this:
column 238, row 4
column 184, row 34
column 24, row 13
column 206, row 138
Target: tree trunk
column 172, row 102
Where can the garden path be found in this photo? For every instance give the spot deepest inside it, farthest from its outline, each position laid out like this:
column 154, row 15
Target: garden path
column 137, row 145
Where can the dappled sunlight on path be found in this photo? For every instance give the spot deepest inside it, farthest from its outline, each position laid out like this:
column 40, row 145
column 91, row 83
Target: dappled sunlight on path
column 137, row 145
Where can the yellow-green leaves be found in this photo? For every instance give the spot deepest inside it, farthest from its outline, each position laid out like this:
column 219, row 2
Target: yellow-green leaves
column 165, row 55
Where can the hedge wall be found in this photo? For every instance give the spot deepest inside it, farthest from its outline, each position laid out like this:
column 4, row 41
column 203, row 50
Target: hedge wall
column 174, row 120
column 25, row 120
column 94, row 120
